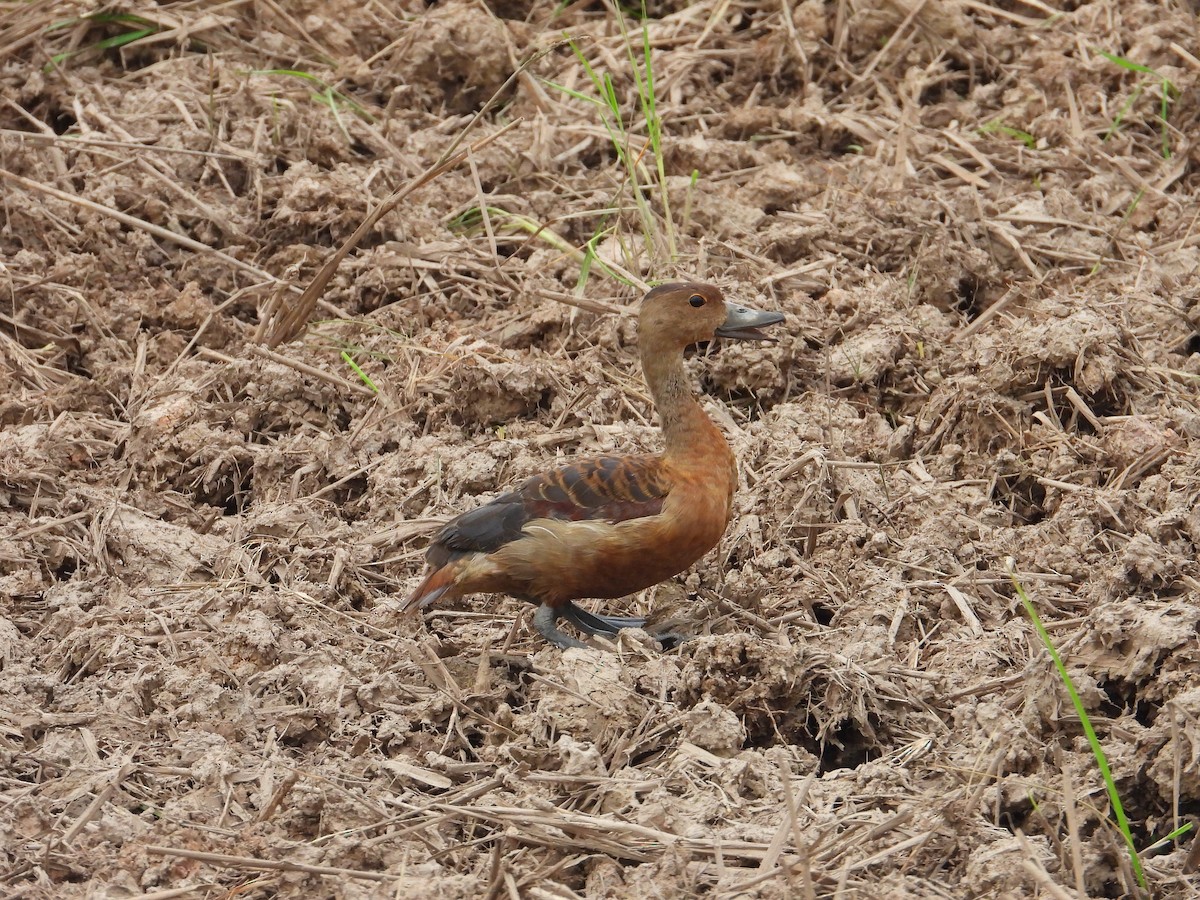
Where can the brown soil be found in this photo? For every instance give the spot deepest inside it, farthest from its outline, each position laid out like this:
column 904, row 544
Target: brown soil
column 990, row 365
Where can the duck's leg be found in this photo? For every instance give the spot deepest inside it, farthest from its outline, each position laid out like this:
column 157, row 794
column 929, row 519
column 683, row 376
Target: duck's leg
column 545, row 618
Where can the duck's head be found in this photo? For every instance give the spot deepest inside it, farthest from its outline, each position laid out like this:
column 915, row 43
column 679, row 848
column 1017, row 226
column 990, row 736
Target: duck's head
column 678, row 314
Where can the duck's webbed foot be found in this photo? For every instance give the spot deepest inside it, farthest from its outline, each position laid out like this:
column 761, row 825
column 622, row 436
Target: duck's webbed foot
column 596, row 624
column 545, row 620
column 670, row 639
column 608, row 626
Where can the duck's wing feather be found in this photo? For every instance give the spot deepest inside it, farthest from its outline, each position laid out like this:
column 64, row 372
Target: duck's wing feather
column 606, row 488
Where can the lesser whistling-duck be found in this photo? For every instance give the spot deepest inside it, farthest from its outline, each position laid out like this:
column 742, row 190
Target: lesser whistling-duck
column 611, row 525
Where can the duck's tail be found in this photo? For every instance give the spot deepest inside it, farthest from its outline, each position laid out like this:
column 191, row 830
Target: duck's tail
column 436, row 585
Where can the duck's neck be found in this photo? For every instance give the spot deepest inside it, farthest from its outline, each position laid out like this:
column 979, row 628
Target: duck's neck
column 688, row 432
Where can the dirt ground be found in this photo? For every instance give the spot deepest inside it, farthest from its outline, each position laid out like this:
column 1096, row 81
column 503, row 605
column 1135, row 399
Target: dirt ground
column 985, row 234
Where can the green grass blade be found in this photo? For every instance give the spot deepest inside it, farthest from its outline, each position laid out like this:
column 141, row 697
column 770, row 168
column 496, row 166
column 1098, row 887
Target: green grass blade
column 1121, row 113
column 624, row 141
column 1168, row 90
column 996, row 126
column 108, row 43
column 1127, row 63
column 62, row 23
column 291, row 73
column 654, row 127
column 359, row 372
column 1110, row 785
column 121, row 40
column 587, row 66
column 609, row 93
column 324, row 94
column 101, row 18
column 1166, row 839
column 585, row 267
column 571, row 92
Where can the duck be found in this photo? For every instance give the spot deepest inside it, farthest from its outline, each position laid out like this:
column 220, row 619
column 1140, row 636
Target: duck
column 608, row 526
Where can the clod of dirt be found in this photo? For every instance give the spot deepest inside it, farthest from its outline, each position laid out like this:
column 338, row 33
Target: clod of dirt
column 594, row 700
column 715, row 728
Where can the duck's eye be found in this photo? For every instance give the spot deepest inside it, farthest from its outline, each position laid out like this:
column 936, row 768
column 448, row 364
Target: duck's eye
column 696, row 300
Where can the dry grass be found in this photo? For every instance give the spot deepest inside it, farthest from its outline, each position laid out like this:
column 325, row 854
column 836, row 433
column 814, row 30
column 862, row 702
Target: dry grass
column 989, row 266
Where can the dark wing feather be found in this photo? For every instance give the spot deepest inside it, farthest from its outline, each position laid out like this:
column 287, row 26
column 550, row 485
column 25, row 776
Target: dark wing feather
column 479, row 530
column 607, row 488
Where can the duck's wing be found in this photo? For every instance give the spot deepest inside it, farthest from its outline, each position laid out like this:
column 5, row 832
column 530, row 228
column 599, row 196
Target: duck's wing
column 606, row 489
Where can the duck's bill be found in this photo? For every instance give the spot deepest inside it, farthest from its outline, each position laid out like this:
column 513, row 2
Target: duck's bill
column 742, row 323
